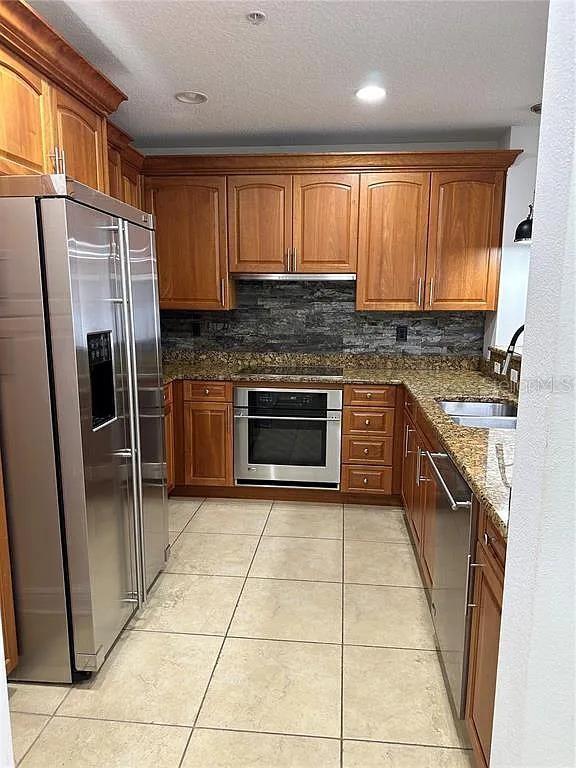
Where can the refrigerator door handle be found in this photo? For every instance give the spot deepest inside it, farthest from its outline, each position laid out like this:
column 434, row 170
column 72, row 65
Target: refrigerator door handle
column 134, row 411
column 134, row 453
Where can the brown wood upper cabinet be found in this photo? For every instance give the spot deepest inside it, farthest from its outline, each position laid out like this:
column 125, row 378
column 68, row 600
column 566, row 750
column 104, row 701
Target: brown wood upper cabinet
column 81, row 134
column 301, row 223
column 259, row 223
column 464, row 240
column 325, row 222
column 191, row 241
column 392, row 240
column 24, row 134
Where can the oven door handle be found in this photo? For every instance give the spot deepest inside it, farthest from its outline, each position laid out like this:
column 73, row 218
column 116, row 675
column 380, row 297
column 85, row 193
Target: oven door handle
column 287, row 418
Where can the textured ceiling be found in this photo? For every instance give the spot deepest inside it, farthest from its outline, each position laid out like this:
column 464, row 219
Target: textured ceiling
column 449, row 67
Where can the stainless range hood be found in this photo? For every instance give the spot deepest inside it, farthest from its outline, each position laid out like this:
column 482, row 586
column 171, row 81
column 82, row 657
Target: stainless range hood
column 297, row 276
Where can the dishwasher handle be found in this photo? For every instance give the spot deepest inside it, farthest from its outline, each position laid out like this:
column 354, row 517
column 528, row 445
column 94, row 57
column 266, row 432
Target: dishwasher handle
column 454, row 505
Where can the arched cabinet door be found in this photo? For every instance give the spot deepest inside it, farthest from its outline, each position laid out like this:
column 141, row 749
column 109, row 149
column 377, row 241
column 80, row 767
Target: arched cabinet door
column 326, row 222
column 464, row 240
column 259, row 222
column 392, row 240
column 24, row 100
column 81, row 134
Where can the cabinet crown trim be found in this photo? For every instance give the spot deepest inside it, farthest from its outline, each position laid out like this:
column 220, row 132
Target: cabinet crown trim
column 489, row 159
column 27, row 34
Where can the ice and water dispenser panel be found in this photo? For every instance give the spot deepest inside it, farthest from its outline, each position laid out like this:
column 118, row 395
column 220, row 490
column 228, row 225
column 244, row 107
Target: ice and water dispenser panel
column 101, row 377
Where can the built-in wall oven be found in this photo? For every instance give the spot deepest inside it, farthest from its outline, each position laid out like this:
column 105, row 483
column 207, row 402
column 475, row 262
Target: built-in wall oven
column 287, row 437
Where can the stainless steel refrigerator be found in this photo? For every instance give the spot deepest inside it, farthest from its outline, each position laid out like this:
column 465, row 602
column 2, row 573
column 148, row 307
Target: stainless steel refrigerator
column 81, row 419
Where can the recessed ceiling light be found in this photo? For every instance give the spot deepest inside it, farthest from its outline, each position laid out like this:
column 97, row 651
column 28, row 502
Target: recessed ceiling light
column 191, row 97
column 371, row 94
column 256, row 17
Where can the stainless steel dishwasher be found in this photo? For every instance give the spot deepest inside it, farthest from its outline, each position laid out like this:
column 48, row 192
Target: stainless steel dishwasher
column 452, row 584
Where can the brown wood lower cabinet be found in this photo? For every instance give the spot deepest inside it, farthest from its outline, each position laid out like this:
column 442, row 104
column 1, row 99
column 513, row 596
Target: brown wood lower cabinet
column 207, row 442
column 368, row 439
column 6, row 595
column 483, row 659
column 369, row 479
column 419, row 493
column 169, row 437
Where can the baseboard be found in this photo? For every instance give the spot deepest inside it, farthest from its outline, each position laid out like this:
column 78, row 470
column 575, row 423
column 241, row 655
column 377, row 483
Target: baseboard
column 286, row 494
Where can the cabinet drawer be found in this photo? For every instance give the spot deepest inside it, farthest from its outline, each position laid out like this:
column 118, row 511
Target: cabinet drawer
column 367, row 450
column 366, row 421
column 368, row 479
column 492, row 541
column 208, row 391
column 167, row 396
column 364, row 395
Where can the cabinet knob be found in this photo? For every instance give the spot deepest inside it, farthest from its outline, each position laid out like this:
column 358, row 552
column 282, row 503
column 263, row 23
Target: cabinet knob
column 369, row 395
column 367, row 422
column 365, row 481
column 206, row 391
column 366, row 451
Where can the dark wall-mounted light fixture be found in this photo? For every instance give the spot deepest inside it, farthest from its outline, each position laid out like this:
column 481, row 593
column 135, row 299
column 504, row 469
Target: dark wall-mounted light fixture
column 524, row 229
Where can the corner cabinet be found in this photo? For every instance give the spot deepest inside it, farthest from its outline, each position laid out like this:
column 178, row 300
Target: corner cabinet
column 464, row 236
column 191, row 241
column 392, row 241
column 260, row 223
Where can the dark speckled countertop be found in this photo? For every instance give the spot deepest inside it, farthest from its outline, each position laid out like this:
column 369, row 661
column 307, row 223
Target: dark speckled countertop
column 483, row 456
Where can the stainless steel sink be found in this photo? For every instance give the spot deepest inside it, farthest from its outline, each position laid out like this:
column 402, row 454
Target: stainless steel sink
column 488, row 415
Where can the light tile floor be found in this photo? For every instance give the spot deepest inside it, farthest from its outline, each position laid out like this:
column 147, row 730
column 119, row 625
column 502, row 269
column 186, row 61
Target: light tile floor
column 281, row 635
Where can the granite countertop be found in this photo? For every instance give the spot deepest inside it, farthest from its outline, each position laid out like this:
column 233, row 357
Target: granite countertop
column 483, row 456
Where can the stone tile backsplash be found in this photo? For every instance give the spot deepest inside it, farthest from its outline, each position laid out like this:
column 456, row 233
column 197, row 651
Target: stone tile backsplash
column 318, row 317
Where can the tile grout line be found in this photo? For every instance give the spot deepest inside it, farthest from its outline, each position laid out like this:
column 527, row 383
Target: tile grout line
column 224, row 639
column 46, row 724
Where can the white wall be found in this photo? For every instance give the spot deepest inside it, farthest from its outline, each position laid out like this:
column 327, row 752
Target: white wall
column 534, row 723
column 520, row 184
column 6, row 760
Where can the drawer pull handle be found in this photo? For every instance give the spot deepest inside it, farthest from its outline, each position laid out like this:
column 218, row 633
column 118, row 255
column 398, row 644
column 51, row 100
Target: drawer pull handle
column 365, row 481
column 366, row 451
column 367, row 422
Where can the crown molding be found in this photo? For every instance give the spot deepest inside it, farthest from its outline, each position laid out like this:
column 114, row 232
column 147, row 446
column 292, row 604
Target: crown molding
column 487, row 159
column 27, row 34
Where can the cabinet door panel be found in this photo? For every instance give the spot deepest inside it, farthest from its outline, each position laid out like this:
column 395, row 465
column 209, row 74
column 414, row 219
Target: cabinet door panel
column 326, row 222
column 484, row 644
column 464, row 240
column 81, row 133
column 208, row 443
column 114, row 173
column 191, row 242
column 23, row 118
column 259, row 222
column 392, row 240
column 169, row 441
column 408, row 466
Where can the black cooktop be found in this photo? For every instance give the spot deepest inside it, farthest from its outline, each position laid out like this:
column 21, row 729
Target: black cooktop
column 317, row 371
